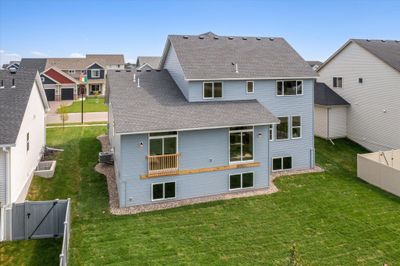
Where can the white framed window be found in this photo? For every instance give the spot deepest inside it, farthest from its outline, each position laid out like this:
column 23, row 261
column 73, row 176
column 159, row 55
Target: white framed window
column 282, row 129
column 162, row 191
column 163, row 143
column 281, row 163
column 212, row 90
column 71, row 71
column 241, row 144
column 289, row 87
column 242, row 180
column 249, row 86
column 95, row 73
column 296, row 127
column 42, row 79
column 271, row 132
column 27, row 141
column 337, row 82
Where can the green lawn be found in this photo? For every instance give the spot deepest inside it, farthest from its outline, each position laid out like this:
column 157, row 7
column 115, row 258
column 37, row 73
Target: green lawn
column 89, row 105
column 333, row 217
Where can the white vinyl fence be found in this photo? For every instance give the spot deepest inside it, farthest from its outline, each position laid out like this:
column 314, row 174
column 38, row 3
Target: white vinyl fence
column 381, row 169
column 67, row 231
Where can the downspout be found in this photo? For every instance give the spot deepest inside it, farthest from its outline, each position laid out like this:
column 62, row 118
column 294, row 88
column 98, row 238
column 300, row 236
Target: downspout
column 8, row 199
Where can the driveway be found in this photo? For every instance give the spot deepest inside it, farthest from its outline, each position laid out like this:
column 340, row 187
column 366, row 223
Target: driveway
column 53, row 118
column 54, row 105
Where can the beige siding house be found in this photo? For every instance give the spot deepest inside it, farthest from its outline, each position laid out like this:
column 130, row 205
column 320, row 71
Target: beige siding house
column 366, row 73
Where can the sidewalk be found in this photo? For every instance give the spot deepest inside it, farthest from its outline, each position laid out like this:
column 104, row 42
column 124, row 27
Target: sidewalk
column 76, row 117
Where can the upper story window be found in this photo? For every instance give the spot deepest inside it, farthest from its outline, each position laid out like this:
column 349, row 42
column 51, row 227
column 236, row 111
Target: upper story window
column 296, row 127
column 337, row 82
column 212, row 90
column 282, row 129
column 163, row 143
column 240, row 144
column 250, row 86
column 71, row 71
column 95, row 73
column 289, row 87
column 27, row 141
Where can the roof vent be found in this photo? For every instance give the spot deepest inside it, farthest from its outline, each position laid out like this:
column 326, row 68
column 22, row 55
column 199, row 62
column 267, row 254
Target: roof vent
column 201, row 37
column 117, row 70
column 134, row 77
column 230, row 38
column 271, row 39
column 236, row 68
column 244, row 38
column 158, row 70
column 138, row 70
column 138, row 83
column 383, row 41
column 128, row 70
column 185, row 37
column 368, row 40
column 216, row 37
column 12, row 70
column 258, row 38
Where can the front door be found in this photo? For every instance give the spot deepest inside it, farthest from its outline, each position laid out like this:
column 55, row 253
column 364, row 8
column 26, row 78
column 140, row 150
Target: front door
column 95, row 88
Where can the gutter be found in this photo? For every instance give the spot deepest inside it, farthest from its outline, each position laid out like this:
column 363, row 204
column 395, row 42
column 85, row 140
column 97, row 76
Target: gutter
column 8, row 175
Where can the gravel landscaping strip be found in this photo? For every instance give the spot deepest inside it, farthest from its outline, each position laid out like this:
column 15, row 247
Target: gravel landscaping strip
column 108, row 171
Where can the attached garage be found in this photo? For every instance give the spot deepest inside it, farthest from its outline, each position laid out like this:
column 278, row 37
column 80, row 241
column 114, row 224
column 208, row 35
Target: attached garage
column 67, row 93
column 50, row 94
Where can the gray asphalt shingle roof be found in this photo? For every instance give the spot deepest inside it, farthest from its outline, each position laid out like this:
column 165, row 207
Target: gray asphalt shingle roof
column 323, row 95
column 209, row 56
column 153, row 61
column 13, row 102
column 33, row 64
column 387, row 51
column 159, row 105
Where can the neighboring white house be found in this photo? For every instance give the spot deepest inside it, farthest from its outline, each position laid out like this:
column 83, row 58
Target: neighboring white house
column 366, row 73
column 23, row 108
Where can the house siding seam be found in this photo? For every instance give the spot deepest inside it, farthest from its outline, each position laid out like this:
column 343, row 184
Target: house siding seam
column 367, row 122
column 199, row 149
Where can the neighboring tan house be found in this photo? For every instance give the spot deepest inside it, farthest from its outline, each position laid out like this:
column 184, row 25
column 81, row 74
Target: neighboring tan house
column 61, row 77
column 23, row 108
column 148, row 62
column 219, row 117
column 366, row 73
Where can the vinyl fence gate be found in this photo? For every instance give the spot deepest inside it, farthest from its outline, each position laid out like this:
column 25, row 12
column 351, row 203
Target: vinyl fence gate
column 38, row 219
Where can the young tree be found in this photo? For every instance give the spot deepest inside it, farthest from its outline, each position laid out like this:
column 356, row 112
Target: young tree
column 295, row 259
column 62, row 111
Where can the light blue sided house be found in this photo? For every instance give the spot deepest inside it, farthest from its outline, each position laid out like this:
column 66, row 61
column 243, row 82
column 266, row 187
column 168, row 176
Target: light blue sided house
column 220, row 116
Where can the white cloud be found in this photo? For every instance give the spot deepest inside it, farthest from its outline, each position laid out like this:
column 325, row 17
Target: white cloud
column 133, row 61
column 76, row 55
column 6, row 57
column 38, row 54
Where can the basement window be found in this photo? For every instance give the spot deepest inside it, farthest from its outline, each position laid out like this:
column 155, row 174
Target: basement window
column 281, row 163
column 239, row 181
column 162, row 191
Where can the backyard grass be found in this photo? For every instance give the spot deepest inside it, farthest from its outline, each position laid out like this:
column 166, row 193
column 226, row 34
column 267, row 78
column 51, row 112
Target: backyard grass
column 333, row 217
column 89, row 105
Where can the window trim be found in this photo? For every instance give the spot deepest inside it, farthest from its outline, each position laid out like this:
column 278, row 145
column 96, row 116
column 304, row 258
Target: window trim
column 162, row 137
column 337, row 82
column 241, row 146
column 281, row 157
column 291, row 127
column 213, row 98
column 95, row 76
column 283, row 87
column 271, row 134
column 247, row 88
column 162, row 183
column 241, row 181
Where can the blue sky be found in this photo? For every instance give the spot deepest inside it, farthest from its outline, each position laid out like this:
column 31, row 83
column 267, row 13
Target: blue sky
column 66, row 28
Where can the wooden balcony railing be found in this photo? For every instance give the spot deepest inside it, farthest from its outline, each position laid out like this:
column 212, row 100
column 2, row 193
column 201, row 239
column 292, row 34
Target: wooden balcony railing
column 159, row 165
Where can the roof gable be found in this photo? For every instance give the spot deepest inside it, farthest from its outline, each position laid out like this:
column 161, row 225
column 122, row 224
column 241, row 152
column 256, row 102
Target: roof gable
column 59, row 76
column 210, row 56
column 387, row 51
